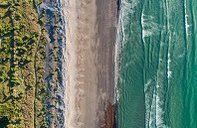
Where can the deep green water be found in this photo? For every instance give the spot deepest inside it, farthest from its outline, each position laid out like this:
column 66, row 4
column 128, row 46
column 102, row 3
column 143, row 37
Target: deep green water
column 158, row 71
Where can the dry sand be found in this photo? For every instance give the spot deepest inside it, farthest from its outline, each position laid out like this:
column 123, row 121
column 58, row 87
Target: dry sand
column 90, row 61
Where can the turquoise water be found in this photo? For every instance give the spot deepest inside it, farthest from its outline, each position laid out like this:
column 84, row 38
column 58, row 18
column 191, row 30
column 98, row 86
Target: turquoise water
column 158, row 64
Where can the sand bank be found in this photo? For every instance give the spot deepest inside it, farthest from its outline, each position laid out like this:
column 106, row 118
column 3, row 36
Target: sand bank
column 91, row 32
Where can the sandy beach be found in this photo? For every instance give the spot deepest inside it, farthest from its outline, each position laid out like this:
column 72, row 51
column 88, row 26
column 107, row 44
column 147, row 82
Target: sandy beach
column 91, row 33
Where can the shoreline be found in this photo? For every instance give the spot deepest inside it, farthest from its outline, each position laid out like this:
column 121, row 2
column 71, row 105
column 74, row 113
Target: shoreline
column 90, row 50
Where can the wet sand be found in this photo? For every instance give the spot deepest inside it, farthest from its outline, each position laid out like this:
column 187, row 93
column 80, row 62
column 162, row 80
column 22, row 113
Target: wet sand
column 91, row 34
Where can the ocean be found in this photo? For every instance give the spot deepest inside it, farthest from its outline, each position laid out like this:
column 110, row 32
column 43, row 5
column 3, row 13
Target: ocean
column 157, row 81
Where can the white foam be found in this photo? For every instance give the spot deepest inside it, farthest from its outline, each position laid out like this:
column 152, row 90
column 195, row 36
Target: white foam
column 147, row 84
column 154, row 115
column 159, row 112
column 149, row 27
column 169, row 72
column 116, row 59
column 152, row 122
column 159, row 104
column 187, row 24
column 127, row 8
column 186, row 19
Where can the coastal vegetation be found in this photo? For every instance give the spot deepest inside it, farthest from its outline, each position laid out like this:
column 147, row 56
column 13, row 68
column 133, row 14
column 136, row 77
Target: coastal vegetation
column 35, row 63
column 23, row 39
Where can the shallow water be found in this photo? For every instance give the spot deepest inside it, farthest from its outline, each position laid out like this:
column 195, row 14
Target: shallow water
column 157, row 82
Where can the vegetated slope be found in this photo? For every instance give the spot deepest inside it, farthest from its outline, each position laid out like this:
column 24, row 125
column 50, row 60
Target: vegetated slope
column 23, row 41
